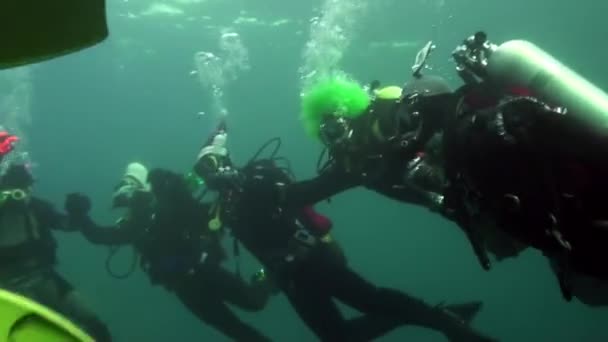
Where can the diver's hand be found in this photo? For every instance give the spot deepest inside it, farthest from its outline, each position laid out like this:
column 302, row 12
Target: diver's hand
column 77, row 205
column 226, row 177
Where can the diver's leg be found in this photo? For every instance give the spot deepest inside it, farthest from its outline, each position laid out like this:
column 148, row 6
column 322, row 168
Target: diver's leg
column 357, row 292
column 233, row 289
column 210, row 308
column 315, row 307
column 76, row 307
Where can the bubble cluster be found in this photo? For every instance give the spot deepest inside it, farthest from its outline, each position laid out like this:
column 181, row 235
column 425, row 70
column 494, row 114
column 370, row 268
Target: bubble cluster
column 215, row 71
column 236, row 56
column 330, row 36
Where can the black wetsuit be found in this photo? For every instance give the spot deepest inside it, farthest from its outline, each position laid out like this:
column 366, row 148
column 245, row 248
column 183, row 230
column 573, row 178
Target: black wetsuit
column 28, row 267
column 178, row 251
column 535, row 170
column 310, row 275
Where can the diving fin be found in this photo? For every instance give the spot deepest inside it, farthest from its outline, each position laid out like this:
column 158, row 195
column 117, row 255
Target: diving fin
column 24, row 320
column 465, row 311
column 479, row 248
column 33, row 31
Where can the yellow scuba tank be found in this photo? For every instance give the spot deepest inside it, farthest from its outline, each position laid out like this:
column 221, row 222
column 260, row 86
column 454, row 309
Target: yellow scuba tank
column 519, row 63
column 23, row 320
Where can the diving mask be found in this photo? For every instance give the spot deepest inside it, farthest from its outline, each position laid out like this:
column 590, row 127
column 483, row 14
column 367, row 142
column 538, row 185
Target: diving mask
column 16, row 195
column 125, row 191
column 335, row 131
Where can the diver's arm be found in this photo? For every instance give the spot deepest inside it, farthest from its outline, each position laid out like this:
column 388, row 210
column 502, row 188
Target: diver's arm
column 411, row 194
column 47, row 215
column 99, row 235
column 311, row 191
column 77, row 207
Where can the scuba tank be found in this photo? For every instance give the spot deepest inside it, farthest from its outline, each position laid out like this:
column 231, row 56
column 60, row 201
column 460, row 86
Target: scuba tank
column 519, row 63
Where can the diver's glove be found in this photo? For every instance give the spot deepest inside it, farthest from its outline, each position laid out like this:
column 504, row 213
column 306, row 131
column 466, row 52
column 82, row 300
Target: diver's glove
column 77, row 204
column 225, row 178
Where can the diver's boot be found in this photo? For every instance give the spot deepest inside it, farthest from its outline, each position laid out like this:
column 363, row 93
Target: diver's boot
column 457, row 318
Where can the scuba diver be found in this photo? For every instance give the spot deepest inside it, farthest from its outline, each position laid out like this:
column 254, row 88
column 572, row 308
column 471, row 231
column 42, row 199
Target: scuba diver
column 164, row 223
column 28, row 249
column 371, row 140
column 296, row 248
column 34, row 31
column 360, row 133
column 524, row 143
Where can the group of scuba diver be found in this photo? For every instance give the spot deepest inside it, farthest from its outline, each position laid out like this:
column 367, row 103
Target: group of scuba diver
column 513, row 157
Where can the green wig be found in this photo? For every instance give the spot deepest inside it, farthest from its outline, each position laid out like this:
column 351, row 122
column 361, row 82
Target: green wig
column 336, row 95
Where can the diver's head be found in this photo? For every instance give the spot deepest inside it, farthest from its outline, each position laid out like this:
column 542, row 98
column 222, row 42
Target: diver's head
column 427, row 94
column 216, row 145
column 427, row 86
column 214, row 154
column 17, row 176
column 330, row 108
column 132, row 188
column 15, row 185
column 335, row 131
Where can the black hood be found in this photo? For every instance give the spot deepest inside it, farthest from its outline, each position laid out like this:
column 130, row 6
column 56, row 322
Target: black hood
column 17, row 176
column 427, row 86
